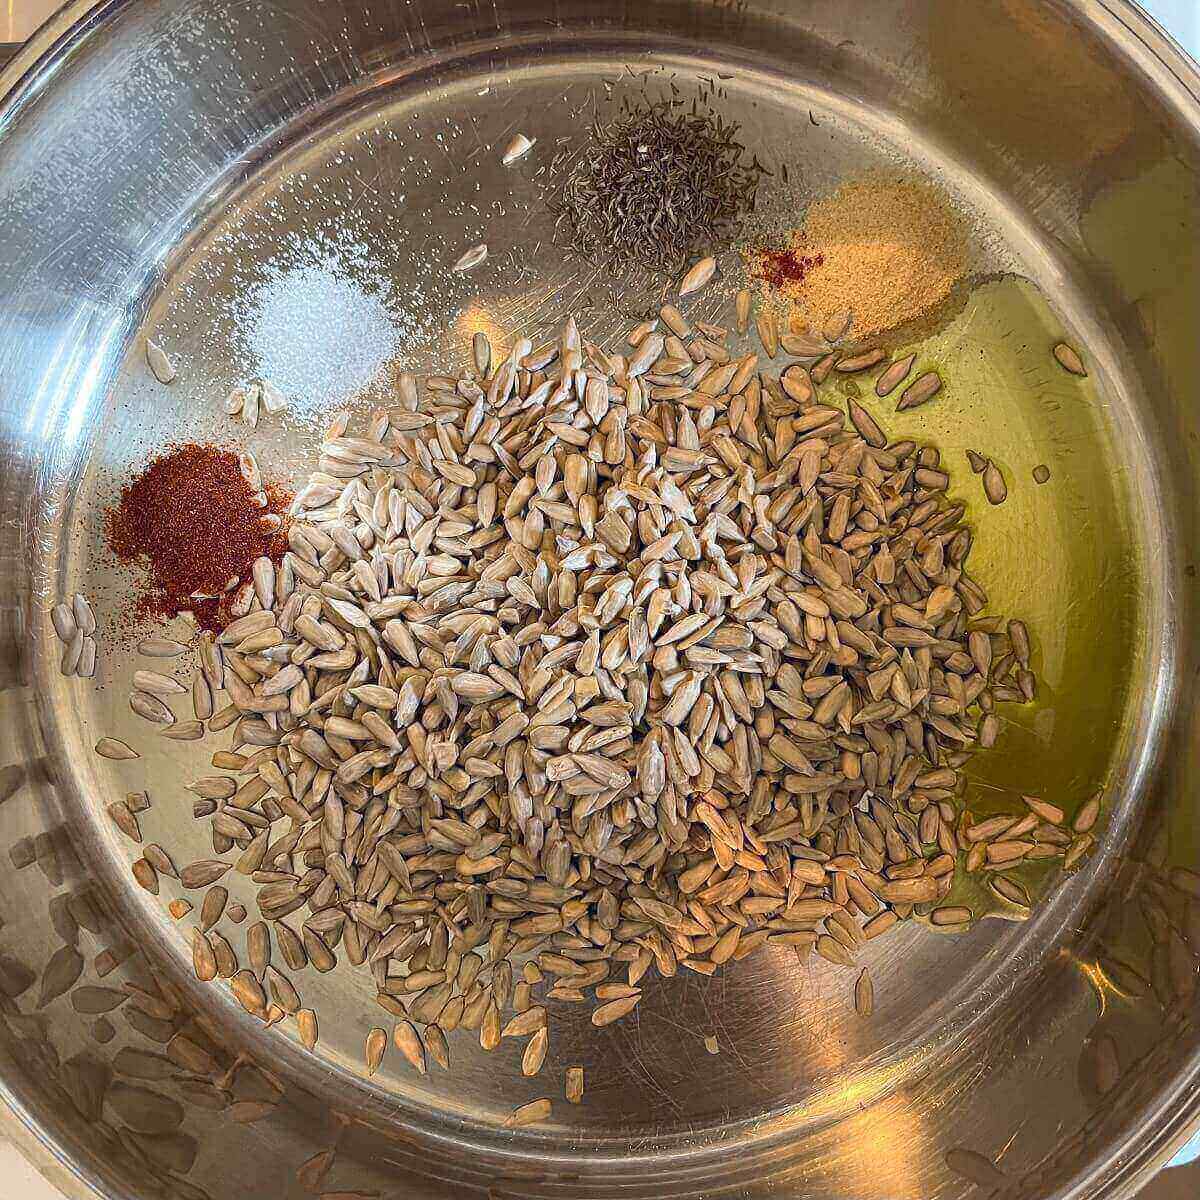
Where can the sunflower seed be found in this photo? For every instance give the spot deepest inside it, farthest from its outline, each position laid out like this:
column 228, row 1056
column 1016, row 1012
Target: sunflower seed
column 744, row 300
column 202, row 873
column 258, row 947
column 376, row 1047
column 160, row 860
column 837, row 326
column 72, row 654
column 1068, row 358
column 854, row 363
column 408, row 1042
column 994, row 487
column 1087, row 815
column 159, row 363
column 472, row 258
column 614, row 1010
column 213, row 906
column 249, row 993
column 123, row 818
column 146, row 875
column 64, row 622
column 518, row 147
column 768, row 334
column 1009, row 889
column 895, row 374
column 697, row 276
column 951, row 915
column 87, row 659
column 864, row 995
column 116, row 749
column 273, row 400
column 919, row 392
column 204, row 961
column 151, row 708
column 535, row 1052
column 529, row 1114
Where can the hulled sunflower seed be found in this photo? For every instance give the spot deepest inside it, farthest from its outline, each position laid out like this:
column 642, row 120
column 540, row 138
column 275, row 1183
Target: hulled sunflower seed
column 895, row 374
column 408, row 1042
column 518, row 147
column 471, row 258
column 529, row 1114
column 864, row 995
column 921, row 391
column 162, row 367
column 115, row 749
column 376, row 1047
column 1068, row 358
column 697, row 276
column 994, row 487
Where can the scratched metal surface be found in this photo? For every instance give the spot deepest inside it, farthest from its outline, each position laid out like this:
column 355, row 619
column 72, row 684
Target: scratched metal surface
column 280, row 191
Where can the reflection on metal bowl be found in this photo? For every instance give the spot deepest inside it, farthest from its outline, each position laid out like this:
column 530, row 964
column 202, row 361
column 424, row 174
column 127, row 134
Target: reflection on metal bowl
column 281, row 191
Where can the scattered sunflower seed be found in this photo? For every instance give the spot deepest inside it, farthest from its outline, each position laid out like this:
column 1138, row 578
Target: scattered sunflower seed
column 698, row 276
column 472, row 258
column 864, row 995
column 272, row 399
column 744, row 300
column 115, row 749
column 921, row 391
column 376, row 1047
column 160, row 647
column 895, row 374
column 529, row 1114
column 1087, row 815
column 1068, row 358
column 994, row 487
column 535, row 1052
column 162, row 367
column 951, row 915
column 63, row 620
column 518, row 147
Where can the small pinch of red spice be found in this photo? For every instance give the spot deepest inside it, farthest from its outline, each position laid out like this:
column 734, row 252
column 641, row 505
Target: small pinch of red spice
column 779, row 267
column 191, row 520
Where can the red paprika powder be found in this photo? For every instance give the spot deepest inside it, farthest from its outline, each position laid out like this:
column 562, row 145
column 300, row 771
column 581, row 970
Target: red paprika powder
column 780, row 267
column 193, row 521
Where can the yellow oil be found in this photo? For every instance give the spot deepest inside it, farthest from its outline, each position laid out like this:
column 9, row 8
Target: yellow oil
column 1146, row 227
column 1061, row 556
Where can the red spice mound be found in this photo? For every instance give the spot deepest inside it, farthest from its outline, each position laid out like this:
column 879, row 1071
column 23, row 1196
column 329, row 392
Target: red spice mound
column 191, row 519
column 780, row 267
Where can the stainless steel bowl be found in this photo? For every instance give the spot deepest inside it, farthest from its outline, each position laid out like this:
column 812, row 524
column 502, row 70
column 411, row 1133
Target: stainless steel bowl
column 280, row 189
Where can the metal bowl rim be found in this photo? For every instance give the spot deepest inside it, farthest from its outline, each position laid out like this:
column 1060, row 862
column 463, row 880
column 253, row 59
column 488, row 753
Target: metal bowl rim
column 1166, row 66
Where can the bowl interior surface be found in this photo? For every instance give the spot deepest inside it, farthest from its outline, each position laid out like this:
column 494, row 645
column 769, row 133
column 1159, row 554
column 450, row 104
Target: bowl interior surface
column 289, row 208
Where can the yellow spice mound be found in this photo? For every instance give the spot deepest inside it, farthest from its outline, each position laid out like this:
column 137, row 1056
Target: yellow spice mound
column 893, row 249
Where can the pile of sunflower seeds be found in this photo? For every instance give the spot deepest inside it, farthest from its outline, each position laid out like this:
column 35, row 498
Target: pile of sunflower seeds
column 582, row 663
